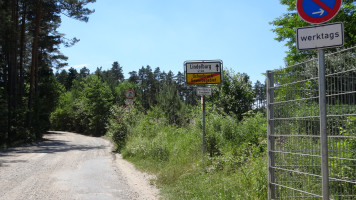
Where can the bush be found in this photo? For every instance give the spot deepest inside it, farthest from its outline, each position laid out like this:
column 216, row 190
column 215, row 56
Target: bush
column 62, row 117
column 235, row 163
column 120, row 122
column 85, row 108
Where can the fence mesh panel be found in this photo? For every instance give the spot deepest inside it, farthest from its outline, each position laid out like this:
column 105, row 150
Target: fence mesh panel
column 294, row 129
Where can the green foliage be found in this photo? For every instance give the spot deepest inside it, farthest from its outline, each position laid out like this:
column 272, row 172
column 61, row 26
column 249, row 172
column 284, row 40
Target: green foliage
column 72, row 75
column 121, row 89
column 144, row 139
column 85, row 108
column 61, row 118
column 343, row 169
column 235, row 96
column 341, row 144
column 230, row 143
column 249, row 182
column 112, row 77
column 235, row 163
column 62, row 77
column 121, row 120
column 76, row 9
column 97, row 99
column 169, row 101
column 84, row 72
column 259, row 90
column 50, row 91
column 29, row 43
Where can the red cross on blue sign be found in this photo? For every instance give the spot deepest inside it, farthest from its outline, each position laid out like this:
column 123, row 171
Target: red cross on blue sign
column 318, row 11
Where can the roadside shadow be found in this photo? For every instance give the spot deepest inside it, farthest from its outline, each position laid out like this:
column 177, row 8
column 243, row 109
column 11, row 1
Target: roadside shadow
column 47, row 146
column 52, row 146
column 5, row 163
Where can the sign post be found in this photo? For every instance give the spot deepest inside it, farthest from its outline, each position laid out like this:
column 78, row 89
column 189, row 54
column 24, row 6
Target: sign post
column 323, row 126
column 319, row 37
column 203, row 72
column 203, row 128
column 130, row 95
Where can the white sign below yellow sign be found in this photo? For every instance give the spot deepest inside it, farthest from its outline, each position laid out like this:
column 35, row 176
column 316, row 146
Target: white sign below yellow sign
column 203, row 91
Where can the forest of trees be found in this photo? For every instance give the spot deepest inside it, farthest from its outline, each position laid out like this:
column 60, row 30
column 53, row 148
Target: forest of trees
column 29, row 51
column 37, row 94
column 87, row 99
column 34, row 87
column 29, row 55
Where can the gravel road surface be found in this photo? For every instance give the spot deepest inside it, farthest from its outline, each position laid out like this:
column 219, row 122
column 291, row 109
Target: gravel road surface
column 70, row 166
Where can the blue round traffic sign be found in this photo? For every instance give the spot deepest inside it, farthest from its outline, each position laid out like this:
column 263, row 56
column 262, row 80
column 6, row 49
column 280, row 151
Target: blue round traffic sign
column 318, row 11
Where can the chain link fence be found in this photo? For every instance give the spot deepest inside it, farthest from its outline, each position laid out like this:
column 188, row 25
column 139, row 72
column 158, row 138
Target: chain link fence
column 294, row 150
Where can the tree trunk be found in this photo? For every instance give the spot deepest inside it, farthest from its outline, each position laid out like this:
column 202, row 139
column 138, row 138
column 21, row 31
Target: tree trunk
column 34, row 58
column 12, row 64
column 22, row 51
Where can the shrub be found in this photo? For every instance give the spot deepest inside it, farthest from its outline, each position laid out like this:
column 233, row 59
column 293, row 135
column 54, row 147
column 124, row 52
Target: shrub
column 120, row 122
column 235, row 164
column 85, row 108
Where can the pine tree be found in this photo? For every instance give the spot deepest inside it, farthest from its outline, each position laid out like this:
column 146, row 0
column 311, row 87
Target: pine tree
column 29, row 49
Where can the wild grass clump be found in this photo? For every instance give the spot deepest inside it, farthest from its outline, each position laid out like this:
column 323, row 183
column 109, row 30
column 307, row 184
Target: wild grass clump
column 235, row 159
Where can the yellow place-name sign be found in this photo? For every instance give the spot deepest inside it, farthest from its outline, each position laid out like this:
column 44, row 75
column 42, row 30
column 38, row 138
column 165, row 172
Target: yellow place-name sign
column 202, row 79
column 203, row 72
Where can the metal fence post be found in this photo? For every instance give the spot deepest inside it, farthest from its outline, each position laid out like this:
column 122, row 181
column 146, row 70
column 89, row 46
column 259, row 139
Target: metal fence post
column 203, row 136
column 323, row 121
column 270, row 132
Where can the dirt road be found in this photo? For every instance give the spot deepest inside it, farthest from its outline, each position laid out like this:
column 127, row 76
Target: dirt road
column 70, row 166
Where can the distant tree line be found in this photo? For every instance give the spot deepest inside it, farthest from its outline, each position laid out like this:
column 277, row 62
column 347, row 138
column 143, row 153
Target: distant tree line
column 153, row 88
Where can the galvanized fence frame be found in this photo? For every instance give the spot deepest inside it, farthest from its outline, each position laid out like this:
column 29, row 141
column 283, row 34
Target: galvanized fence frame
column 294, row 149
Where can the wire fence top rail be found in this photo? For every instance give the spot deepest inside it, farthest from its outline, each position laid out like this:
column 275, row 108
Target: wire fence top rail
column 315, row 59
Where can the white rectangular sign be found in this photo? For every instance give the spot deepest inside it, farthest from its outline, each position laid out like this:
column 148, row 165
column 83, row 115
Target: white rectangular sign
column 324, row 36
column 129, row 102
column 204, row 91
column 202, row 67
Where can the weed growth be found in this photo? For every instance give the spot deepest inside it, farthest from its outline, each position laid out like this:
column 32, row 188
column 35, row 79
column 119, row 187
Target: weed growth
column 235, row 162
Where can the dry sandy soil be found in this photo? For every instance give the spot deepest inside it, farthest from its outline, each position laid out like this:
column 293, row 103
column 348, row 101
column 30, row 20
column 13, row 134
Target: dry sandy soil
column 71, row 166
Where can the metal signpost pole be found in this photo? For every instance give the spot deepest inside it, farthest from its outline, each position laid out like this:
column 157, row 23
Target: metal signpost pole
column 203, row 72
column 323, row 121
column 203, row 91
column 306, row 10
column 203, row 137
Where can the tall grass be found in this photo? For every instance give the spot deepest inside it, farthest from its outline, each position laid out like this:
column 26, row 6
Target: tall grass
column 235, row 162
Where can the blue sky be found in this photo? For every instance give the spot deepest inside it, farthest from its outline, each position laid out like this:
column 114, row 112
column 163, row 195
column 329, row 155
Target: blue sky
column 165, row 33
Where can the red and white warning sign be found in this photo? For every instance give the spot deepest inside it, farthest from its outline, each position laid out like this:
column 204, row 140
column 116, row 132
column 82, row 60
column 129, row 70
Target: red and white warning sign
column 130, row 94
